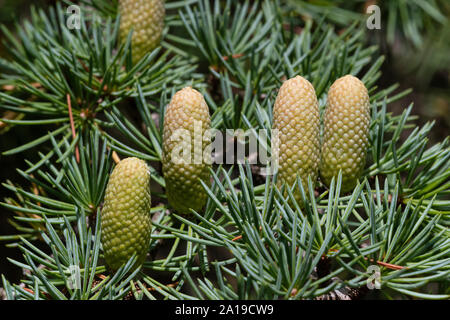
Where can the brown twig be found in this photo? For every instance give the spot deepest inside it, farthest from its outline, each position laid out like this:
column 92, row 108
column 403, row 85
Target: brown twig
column 8, row 115
column 11, row 87
column 296, row 29
column 226, row 58
column 240, row 236
column 233, row 56
column 368, row 3
column 32, row 292
column 101, row 276
column 72, row 126
column 115, row 157
column 130, row 294
column 381, row 263
column 35, row 190
column 170, row 285
column 236, row 238
column 388, row 265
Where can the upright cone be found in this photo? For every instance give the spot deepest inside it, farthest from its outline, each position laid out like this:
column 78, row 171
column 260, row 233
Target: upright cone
column 126, row 220
column 186, row 156
column 347, row 120
column 146, row 18
column 296, row 117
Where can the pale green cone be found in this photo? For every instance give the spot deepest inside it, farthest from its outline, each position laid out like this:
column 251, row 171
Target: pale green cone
column 183, row 188
column 296, row 117
column 146, row 18
column 347, row 121
column 126, row 220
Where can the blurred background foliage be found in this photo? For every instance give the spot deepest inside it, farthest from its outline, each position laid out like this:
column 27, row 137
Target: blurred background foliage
column 11, row 13
column 414, row 37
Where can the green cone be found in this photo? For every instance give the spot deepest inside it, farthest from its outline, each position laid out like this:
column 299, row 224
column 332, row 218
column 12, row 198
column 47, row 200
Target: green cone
column 126, row 220
column 296, row 117
column 347, row 120
column 184, row 141
column 146, row 18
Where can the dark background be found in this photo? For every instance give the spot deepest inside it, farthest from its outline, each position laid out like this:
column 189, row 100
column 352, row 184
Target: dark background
column 425, row 70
